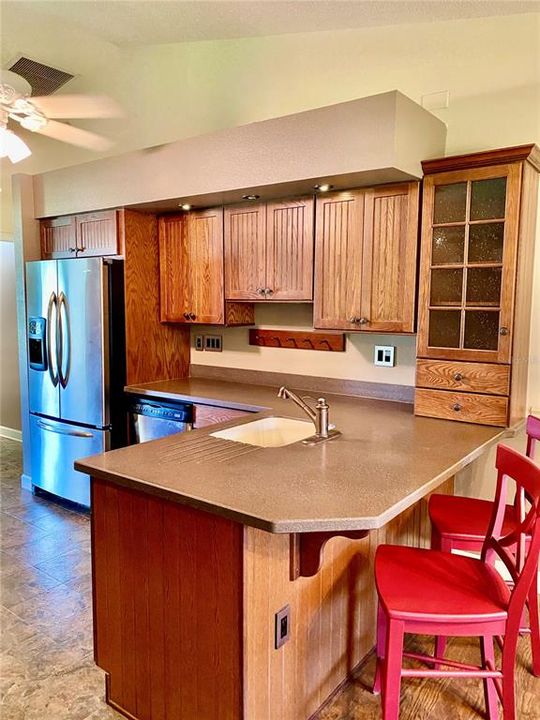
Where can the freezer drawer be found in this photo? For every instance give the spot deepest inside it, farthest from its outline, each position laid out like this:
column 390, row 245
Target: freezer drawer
column 54, row 448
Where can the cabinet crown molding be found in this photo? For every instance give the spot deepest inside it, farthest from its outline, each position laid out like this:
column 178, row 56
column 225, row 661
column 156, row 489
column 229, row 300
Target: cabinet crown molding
column 501, row 156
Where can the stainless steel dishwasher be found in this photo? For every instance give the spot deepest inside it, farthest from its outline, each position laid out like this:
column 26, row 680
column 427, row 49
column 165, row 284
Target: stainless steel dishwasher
column 151, row 418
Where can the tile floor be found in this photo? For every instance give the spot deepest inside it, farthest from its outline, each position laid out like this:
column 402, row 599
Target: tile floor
column 46, row 666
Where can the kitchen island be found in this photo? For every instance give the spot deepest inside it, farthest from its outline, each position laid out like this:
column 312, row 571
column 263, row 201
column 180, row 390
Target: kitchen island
column 207, row 551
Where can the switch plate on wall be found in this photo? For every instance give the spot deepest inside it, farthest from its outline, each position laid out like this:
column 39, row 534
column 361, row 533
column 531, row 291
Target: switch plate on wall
column 282, row 626
column 213, row 343
column 385, row 355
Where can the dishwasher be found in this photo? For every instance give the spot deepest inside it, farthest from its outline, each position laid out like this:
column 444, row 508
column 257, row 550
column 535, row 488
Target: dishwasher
column 151, row 418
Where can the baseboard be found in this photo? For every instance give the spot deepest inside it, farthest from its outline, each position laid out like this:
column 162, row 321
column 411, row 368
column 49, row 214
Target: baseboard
column 10, row 433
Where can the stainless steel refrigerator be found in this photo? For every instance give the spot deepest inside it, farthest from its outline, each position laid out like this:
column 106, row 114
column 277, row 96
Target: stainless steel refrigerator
column 76, row 368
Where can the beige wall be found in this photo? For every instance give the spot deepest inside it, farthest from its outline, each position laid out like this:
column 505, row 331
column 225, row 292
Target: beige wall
column 9, row 372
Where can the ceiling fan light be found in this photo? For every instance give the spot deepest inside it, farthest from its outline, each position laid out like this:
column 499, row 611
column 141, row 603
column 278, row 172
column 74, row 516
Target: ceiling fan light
column 12, row 146
column 33, row 122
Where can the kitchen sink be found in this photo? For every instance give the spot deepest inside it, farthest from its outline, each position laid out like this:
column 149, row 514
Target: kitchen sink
column 268, row 432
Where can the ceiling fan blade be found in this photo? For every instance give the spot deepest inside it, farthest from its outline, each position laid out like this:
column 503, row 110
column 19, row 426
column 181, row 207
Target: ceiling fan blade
column 77, row 106
column 75, row 136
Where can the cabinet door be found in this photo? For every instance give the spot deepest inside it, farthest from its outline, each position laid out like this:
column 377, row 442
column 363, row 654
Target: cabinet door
column 338, row 260
column 174, row 269
column 289, row 250
column 191, row 267
column 205, row 263
column 468, row 266
column 97, row 234
column 389, row 262
column 58, row 238
column 245, row 252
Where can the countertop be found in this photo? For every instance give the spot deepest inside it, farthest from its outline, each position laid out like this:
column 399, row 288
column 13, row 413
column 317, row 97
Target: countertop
column 385, row 461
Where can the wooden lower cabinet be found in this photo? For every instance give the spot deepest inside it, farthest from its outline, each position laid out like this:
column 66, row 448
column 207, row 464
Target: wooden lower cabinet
column 185, row 604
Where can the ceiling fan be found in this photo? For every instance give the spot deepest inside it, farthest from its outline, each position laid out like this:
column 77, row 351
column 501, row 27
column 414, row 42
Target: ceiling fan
column 38, row 114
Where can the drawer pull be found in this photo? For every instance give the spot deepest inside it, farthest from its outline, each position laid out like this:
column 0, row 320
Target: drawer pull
column 456, row 407
column 458, row 377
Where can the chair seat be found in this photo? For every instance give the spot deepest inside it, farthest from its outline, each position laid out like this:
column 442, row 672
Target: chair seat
column 418, row 584
column 464, row 517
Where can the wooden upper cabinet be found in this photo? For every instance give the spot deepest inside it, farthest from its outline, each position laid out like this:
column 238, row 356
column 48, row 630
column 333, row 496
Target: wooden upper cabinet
column 245, row 252
column 97, row 233
column 338, row 259
column 191, row 267
column 269, row 251
column 85, row 235
column 390, row 251
column 58, row 237
column 365, row 259
column 289, row 250
column 468, row 265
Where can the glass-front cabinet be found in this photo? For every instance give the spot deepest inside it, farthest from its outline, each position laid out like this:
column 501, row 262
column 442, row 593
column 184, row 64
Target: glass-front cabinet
column 468, row 264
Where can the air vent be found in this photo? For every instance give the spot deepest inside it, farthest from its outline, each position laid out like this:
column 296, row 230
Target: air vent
column 44, row 79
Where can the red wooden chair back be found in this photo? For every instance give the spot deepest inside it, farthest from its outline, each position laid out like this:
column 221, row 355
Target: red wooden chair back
column 518, row 552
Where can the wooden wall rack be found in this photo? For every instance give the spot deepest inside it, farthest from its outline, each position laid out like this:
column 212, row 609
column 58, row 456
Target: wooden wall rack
column 298, row 340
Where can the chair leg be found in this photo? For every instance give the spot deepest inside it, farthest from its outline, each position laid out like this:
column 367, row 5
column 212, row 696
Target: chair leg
column 380, row 648
column 490, row 693
column 392, row 669
column 534, row 623
column 508, row 667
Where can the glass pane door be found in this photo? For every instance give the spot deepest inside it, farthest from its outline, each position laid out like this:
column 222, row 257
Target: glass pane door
column 466, row 264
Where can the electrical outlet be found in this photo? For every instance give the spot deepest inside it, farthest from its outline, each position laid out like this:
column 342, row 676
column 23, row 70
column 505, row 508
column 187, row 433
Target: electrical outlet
column 199, row 343
column 213, row 343
column 282, row 626
column 385, row 355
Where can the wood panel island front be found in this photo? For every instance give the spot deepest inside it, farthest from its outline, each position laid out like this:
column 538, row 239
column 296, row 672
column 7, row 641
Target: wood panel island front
column 206, row 551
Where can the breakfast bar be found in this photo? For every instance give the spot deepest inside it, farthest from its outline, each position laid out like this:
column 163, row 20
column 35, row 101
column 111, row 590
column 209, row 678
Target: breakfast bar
column 214, row 558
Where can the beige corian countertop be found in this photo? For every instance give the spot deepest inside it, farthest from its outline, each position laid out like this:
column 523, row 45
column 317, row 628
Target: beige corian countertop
column 385, row 461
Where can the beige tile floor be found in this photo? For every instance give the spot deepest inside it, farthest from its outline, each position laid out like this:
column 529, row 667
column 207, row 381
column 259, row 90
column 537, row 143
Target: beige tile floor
column 46, row 666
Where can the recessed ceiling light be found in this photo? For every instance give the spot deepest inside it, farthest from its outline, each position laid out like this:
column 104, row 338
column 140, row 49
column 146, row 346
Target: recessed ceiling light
column 185, row 206
column 324, row 187
column 250, row 197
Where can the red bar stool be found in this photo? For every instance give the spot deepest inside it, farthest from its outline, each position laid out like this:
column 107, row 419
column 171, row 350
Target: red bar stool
column 461, row 523
column 432, row 592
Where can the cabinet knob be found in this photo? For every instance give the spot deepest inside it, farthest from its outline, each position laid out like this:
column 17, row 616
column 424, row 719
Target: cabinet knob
column 268, row 291
column 456, row 407
column 192, row 316
column 458, row 377
column 72, row 249
column 260, row 291
column 186, row 316
column 353, row 319
column 503, row 331
column 363, row 321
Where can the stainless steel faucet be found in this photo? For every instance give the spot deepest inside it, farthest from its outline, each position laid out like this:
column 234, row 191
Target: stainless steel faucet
column 318, row 416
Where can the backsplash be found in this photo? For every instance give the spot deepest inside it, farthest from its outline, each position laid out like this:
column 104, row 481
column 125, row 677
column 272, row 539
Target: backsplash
column 356, row 363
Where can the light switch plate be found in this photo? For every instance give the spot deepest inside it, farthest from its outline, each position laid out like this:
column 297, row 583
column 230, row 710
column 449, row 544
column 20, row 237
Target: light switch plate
column 385, row 355
column 213, row 343
column 282, row 626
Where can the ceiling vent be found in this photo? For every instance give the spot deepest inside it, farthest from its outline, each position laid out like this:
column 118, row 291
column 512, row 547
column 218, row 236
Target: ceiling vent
column 44, row 79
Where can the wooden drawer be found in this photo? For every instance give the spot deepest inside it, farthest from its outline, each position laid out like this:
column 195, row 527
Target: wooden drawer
column 463, row 376
column 205, row 415
column 464, row 407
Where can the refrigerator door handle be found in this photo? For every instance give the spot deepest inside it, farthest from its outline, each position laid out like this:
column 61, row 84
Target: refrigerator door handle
column 64, row 378
column 53, row 301
column 73, row 433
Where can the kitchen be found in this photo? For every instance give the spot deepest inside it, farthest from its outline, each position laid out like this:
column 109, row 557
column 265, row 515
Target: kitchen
column 280, row 252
